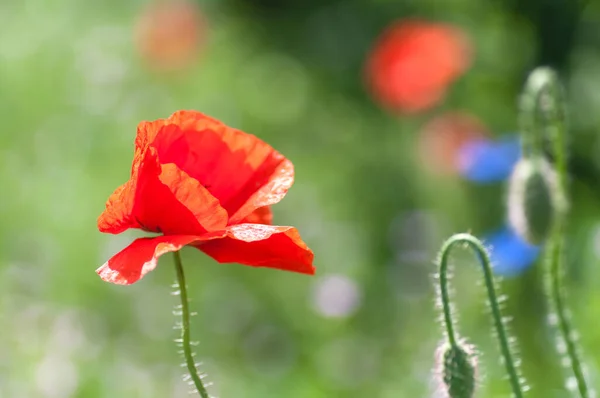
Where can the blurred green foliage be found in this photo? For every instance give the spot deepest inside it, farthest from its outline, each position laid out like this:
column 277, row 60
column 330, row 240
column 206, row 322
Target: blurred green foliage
column 72, row 90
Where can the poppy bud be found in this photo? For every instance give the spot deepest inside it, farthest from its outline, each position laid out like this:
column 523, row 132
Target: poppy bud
column 458, row 370
column 533, row 199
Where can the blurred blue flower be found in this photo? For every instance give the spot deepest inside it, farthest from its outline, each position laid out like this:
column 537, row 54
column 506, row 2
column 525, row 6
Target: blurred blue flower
column 510, row 254
column 486, row 161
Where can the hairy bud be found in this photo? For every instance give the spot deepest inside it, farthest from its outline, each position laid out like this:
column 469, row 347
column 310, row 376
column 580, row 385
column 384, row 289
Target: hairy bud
column 457, row 370
column 533, row 199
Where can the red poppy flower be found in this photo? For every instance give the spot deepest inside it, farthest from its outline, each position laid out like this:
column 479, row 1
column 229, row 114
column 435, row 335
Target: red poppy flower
column 201, row 183
column 414, row 61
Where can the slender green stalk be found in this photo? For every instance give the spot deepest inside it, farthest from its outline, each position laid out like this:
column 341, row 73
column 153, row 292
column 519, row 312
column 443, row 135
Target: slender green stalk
column 503, row 340
column 555, row 250
column 446, row 300
column 185, row 328
column 544, row 115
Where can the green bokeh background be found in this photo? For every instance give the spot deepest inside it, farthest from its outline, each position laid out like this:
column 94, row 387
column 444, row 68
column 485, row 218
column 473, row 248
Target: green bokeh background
column 72, row 90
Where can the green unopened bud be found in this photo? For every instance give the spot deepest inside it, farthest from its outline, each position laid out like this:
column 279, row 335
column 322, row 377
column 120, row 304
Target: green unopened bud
column 457, row 369
column 533, row 199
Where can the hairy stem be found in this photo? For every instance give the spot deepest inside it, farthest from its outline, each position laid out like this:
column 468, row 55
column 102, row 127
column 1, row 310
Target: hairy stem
column 185, row 328
column 557, row 296
column 483, row 257
column 555, row 250
column 545, row 113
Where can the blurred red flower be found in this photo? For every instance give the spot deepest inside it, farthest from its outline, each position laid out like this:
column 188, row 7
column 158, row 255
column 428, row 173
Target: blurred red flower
column 414, row 61
column 169, row 34
column 207, row 185
column 443, row 137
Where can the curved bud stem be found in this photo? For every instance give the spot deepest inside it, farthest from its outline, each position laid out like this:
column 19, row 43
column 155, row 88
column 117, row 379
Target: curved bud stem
column 543, row 117
column 185, row 328
column 551, row 102
column 531, row 103
column 486, row 266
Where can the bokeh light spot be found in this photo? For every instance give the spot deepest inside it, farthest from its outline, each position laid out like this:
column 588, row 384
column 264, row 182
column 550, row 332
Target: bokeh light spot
column 510, row 254
column 170, row 34
column 414, row 61
column 336, row 296
column 485, row 161
column 441, row 141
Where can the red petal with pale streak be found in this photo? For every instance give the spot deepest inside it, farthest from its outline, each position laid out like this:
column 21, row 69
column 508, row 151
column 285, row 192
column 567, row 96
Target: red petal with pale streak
column 262, row 246
column 262, row 215
column 250, row 244
column 241, row 171
column 274, row 188
column 162, row 198
column 141, row 256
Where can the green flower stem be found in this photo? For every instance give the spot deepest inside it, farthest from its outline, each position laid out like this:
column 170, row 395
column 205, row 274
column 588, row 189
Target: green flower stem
column 549, row 102
column 544, row 115
column 185, row 328
column 555, row 250
column 483, row 257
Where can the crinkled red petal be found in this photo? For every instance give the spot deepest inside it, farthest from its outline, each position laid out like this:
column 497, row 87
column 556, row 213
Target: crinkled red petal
column 249, row 244
column 262, row 246
column 118, row 215
column 141, row 256
column 241, row 171
column 162, row 198
column 262, row 215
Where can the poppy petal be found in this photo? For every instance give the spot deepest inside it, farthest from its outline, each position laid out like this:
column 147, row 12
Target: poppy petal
column 117, row 217
column 262, row 246
column 187, row 191
column 162, row 198
column 262, row 215
column 185, row 120
column 274, row 188
column 140, row 257
column 170, row 201
column 241, row 171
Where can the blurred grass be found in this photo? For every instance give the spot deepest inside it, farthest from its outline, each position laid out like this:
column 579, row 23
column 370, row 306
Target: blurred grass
column 72, row 90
